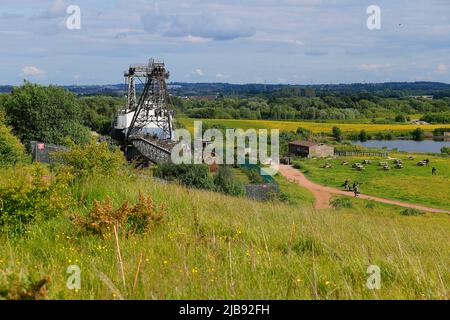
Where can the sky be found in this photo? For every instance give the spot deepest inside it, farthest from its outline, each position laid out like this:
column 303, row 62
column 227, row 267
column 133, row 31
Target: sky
column 235, row 41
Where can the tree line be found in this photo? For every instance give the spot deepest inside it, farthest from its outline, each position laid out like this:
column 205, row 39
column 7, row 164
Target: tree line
column 326, row 106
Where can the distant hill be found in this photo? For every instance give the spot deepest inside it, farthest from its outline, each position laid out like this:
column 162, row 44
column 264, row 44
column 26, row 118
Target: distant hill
column 212, row 89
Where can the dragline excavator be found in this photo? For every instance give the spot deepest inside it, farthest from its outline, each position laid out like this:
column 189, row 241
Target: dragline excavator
column 144, row 127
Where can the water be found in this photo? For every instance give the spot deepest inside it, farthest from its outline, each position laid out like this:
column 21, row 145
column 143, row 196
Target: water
column 406, row 145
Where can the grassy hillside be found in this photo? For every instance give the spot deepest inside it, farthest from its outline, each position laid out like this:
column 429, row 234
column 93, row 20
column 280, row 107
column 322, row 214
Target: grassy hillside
column 412, row 184
column 214, row 246
column 315, row 127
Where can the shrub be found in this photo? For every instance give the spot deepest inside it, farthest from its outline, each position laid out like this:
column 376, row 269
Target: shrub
column 298, row 165
column 225, row 182
column 363, row 136
column 195, row 176
column 445, row 150
column 11, row 150
column 337, row 134
column 341, row 203
column 253, row 175
column 92, row 158
column 418, row 134
column 411, row 212
column 15, row 286
column 400, row 118
column 134, row 219
column 28, row 194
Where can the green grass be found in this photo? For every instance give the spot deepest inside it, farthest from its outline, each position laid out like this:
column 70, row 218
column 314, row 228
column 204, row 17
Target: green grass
column 240, row 175
column 296, row 194
column 218, row 247
column 412, row 184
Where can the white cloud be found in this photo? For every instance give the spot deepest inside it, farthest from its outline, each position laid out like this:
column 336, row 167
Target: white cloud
column 199, row 72
column 198, row 25
column 441, row 68
column 56, row 10
column 193, row 39
column 222, row 76
column 372, row 67
column 32, row 71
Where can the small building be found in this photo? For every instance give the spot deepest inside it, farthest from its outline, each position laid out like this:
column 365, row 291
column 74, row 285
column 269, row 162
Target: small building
column 309, row 149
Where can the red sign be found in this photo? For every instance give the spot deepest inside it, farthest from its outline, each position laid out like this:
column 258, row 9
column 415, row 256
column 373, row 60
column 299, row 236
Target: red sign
column 41, row 146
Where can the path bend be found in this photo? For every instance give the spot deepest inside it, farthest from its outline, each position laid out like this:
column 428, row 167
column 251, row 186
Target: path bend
column 323, row 194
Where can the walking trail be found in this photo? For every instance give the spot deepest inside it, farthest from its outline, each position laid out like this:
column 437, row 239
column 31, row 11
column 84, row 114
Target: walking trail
column 323, row 194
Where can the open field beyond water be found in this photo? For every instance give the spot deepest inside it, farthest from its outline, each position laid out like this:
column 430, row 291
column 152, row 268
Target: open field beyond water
column 315, row 127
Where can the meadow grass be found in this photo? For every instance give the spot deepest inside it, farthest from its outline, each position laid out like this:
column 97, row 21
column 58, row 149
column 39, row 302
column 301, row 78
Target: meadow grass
column 412, row 184
column 315, row 127
column 213, row 246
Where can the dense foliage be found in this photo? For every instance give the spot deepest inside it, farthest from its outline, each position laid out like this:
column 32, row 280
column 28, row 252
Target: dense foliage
column 326, row 106
column 11, row 150
column 29, row 194
column 99, row 111
column 92, row 158
column 439, row 117
column 48, row 114
column 225, row 182
column 198, row 176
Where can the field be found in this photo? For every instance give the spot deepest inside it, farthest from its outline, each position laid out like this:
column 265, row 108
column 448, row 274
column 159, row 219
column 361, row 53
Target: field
column 315, row 127
column 412, row 184
column 212, row 246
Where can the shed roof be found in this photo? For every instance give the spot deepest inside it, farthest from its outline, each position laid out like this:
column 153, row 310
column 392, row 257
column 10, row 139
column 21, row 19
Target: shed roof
column 303, row 143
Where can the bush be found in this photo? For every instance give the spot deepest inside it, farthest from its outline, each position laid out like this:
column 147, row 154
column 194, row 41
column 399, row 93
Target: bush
column 411, row 212
column 225, row 182
column 134, row 219
column 298, row 165
column 418, row 134
column 445, row 150
column 11, row 150
column 337, row 134
column 341, row 203
column 400, row 118
column 253, row 175
column 16, row 286
column 29, row 194
column 363, row 137
column 92, row 158
column 195, row 176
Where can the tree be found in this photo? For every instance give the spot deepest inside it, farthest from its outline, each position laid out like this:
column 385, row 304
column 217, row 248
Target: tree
column 418, row 134
column 363, row 136
column 48, row 114
column 337, row 134
column 400, row 118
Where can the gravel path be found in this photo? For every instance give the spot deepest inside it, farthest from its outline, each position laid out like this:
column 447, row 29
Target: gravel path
column 323, row 194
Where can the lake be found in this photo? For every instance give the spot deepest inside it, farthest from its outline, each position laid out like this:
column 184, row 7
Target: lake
column 406, row 145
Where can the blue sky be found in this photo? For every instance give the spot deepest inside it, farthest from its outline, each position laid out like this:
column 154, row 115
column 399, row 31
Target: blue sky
column 236, row 41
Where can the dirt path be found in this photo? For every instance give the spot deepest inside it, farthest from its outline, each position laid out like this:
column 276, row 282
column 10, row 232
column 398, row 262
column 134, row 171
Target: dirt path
column 323, row 194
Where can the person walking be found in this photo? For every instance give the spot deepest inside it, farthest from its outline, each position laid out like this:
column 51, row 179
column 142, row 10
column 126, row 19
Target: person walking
column 346, row 185
column 433, row 171
column 356, row 190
